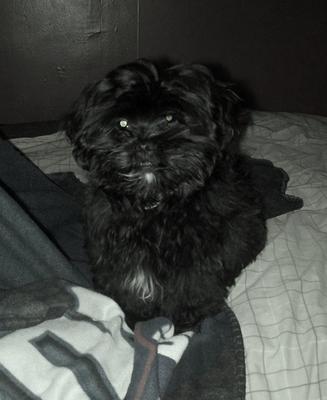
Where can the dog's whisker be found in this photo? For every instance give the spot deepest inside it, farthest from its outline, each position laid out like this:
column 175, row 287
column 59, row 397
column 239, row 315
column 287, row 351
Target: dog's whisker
column 131, row 175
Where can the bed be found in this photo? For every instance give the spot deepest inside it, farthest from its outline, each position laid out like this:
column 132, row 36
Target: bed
column 280, row 301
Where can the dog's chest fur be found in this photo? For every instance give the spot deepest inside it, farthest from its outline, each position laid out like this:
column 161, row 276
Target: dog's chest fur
column 145, row 250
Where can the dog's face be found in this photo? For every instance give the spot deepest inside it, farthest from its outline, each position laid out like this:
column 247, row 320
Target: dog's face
column 148, row 135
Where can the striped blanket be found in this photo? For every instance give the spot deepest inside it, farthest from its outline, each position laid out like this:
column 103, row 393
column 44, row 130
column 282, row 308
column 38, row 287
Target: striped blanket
column 60, row 341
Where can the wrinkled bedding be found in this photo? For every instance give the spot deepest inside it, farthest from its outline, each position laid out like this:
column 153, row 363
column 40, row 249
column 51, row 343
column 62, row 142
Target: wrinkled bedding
column 281, row 299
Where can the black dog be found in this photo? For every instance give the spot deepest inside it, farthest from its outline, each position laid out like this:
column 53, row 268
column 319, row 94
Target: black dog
column 171, row 218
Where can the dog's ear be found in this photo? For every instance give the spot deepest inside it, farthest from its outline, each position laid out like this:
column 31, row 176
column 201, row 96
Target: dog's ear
column 74, row 120
column 229, row 114
column 225, row 106
column 140, row 75
column 192, row 84
column 215, row 100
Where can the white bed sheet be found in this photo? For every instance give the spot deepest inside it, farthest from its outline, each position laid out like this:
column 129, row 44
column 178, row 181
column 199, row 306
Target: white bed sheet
column 281, row 299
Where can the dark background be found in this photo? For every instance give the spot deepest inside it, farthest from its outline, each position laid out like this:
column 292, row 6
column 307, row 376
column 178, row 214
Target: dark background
column 49, row 49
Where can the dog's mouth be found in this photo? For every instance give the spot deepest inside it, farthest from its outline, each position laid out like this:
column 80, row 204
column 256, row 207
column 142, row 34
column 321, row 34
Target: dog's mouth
column 143, row 179
column 145, row 164
column 139, row 168
column 152, row 183
column 150, row 204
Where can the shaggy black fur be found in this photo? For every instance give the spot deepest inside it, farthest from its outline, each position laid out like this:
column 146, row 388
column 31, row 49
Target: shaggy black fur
column 171, row 218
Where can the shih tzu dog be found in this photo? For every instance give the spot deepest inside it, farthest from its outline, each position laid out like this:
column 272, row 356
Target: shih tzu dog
column 171, row 217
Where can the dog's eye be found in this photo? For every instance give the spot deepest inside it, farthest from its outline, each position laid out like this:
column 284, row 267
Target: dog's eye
column 123, row 123
column 169, row 117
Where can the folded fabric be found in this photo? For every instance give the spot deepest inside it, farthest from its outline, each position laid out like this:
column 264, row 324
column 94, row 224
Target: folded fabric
column 60, row 341
column 271, row 183
column 56, row 212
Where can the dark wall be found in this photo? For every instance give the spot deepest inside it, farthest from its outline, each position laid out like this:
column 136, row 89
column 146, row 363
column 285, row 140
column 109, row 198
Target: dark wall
column 276, row 48
column 49, row 49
